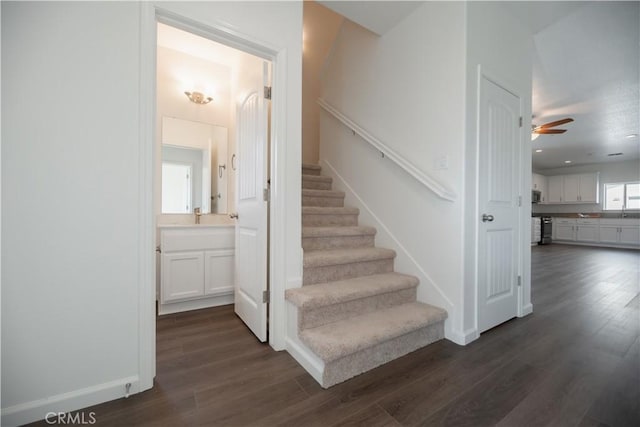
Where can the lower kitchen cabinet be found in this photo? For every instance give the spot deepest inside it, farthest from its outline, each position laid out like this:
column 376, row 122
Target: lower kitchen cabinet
column 628, row 235
column 564, row 229
column 604, row 232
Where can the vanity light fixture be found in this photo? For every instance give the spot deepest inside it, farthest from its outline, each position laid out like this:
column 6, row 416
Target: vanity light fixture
column 198, row 97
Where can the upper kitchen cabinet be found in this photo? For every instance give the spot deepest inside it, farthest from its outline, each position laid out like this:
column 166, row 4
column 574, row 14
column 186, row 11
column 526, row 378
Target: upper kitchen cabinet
column 580, row 188
column 539, row 183
column 554, row 189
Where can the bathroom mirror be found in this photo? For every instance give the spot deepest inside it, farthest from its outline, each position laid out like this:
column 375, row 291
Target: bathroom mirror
column 195, row 167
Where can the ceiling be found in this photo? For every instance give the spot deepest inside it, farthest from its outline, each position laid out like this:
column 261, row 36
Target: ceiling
column 586, row 66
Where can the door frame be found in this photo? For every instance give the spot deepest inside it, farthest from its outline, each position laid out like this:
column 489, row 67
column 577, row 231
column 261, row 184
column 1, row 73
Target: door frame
column 221, row 33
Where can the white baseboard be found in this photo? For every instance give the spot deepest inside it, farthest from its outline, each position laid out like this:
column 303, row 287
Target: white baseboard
column 462, row 337
column 597, row 244
column 526, row 310
column 196, row 304
column 309, row 361
column 39, row 409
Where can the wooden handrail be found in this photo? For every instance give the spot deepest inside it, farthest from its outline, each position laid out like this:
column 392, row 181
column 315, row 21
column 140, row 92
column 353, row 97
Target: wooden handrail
column 437, row 188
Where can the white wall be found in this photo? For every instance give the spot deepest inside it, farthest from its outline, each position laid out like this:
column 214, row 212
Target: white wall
column 609, row 173
column 72, row 215
column 415, row 90
column 321, row 27
column 407, row 89
column 502, row 47
column 70, row 203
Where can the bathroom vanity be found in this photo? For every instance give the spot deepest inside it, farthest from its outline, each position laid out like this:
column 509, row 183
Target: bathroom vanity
column 196, row 266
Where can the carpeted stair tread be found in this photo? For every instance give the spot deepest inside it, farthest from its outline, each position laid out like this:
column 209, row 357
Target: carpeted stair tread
column 339, row 339
column 308, row 192
column 324, row 258
column 324, row 294
column 337, row 231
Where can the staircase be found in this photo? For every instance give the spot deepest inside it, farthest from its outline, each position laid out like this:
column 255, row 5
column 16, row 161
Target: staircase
column 354, row 312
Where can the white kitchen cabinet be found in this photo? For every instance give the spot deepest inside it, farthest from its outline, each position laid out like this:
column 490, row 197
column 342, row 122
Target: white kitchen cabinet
column 197, row 267
column 581, row 188
column 620, row 231
column 539, row 183
column 587, row 230
column 554, row 188
column 578, row 188
column 565, row 229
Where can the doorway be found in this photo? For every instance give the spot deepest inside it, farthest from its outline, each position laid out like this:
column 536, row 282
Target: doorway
column 202, row 87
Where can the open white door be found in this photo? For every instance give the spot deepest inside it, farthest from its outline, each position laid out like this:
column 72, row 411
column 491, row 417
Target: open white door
column 251, row 207
column 498, row 240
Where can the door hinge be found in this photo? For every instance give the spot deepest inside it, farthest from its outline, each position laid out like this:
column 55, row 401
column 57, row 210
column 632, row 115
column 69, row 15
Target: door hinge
column 265, row 296
column 520, row 121
column 267, row 92
column 519, row 200
column 519, row 281
column 266, row 195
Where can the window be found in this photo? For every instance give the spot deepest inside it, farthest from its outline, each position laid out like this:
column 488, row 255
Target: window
column 621, row 196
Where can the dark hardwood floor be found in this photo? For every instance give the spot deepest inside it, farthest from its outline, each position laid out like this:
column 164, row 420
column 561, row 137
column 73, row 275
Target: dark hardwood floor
column 574, row 362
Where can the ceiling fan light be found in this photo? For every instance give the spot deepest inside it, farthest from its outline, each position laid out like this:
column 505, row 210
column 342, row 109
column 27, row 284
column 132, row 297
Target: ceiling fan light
column 534, row 136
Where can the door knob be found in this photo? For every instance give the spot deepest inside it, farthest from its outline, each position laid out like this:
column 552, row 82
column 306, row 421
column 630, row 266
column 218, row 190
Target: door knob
column 486, row 218
column 233, row 215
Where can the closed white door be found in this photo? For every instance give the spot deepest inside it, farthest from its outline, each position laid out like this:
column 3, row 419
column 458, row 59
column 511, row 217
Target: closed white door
column 499, row 177
column 251, row 227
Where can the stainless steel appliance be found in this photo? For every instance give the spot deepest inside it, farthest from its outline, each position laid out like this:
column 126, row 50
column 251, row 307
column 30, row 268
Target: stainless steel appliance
column 535, row 196
column 546, row 228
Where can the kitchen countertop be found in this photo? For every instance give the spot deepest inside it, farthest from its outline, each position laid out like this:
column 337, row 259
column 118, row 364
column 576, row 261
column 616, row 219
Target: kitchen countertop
column 595, row 215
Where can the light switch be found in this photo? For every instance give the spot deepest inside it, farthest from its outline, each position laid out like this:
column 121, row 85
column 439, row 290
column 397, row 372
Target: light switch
column 442, row 162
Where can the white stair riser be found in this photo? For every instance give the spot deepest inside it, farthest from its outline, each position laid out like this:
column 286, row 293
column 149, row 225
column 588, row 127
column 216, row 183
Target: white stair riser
column 333, row 202
column 338, row 242
column 324, row 220
column 310, row 318
column 332, row 273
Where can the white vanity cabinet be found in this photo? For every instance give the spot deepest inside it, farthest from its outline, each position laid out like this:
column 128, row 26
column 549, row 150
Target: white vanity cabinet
column 196, row 267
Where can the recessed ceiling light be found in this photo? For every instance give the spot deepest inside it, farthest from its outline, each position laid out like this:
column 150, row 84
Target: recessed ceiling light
column 632, row 135
column 567, row 161
column 538, row 151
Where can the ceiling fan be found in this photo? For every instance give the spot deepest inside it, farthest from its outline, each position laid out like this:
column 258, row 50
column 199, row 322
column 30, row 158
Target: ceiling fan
column 546, row 128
